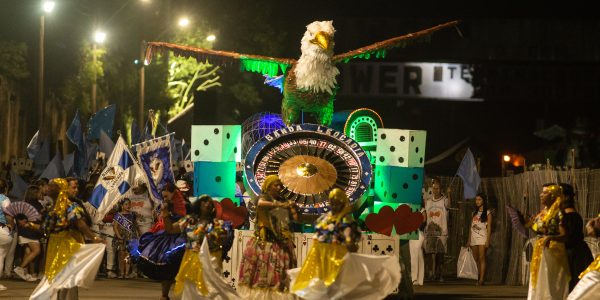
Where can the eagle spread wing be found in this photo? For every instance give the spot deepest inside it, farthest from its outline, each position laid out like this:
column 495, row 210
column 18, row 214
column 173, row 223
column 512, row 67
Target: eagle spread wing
column 379, row 49
column 265, row 65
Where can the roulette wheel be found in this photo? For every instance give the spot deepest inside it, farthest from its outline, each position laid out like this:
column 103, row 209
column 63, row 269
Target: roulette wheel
column 310, row 160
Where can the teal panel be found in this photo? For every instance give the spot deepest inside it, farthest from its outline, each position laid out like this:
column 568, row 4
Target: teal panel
column 216, row 179
column 398, row 184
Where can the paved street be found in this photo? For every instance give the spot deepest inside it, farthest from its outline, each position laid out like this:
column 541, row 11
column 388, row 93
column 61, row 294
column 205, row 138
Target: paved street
column 146, row 289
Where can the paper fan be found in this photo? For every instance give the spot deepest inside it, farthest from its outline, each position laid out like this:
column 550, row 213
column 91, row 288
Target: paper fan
column 24, row 208
column 517, row 220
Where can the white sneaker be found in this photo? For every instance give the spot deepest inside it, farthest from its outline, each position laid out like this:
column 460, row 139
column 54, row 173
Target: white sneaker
column 3, row 288
column 30, row 278
column 21, row 273
column 111, row 274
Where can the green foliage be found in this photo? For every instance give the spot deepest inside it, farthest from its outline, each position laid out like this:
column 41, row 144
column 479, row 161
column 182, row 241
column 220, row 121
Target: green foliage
column 186, row 75
column 13, row 62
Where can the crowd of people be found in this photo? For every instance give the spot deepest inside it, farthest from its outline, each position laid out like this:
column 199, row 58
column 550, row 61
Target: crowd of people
column 25, row 230
column 183, row 244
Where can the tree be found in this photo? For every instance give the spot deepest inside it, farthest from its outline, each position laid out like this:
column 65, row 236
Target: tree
column 13, row 63
column 186, row 75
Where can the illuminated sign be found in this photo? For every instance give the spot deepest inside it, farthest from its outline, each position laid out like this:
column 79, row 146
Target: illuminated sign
column 415, row 80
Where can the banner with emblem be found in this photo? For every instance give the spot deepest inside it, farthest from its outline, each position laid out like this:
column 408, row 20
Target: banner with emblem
column 120, row 174
column 155, row 159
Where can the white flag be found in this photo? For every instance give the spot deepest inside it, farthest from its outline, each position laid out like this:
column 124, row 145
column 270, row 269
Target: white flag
column 116, row 179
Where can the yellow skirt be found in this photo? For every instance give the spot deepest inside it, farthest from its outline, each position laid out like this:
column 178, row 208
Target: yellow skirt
column 61, row 247
column 190, row 269
column 323, row 262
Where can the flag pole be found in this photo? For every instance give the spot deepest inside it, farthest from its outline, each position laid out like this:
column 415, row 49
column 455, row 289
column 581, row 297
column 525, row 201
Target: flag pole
column 573, row 181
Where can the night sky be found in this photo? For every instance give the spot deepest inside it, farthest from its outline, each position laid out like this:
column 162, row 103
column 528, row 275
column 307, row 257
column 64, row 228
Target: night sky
column 504, row 123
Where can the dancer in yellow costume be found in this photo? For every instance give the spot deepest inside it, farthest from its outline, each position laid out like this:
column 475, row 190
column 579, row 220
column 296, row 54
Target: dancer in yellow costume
column 549, row 269
column 332, row 270
column 197, row 278
column 70, row 263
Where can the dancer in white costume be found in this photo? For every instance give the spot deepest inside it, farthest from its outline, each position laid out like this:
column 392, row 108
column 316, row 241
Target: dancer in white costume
column 333, row 271
column 69, row 262
column 549, row 278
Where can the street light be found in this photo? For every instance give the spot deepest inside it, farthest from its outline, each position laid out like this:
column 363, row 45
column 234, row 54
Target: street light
column 183, row 22
column 211, row 38
column 47, row 7
column 99, row 38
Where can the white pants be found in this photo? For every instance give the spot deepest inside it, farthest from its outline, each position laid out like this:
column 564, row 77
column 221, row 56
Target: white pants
column 9, row 257
column 6, row 240
column 417, row 261
column 110, row 251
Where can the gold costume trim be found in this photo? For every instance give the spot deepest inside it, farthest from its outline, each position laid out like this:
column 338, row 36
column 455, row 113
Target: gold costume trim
column 190, row 269
column 322, row 262
column 61, row 247
column 594, row 266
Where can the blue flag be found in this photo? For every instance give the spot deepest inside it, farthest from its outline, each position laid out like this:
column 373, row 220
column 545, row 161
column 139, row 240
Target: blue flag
column 106, row 144
column 34, row 145
column 155, row 159
column 102, row 120
column 54, row 169
column 68, row 163
column 135, row 133
column 42, row 157
column 92, row 150
column 469, row 175
column 75, row 135
column 19, row 186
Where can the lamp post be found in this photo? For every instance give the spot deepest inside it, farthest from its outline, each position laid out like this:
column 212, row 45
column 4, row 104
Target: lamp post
column 47, row 7
column 99, row 38
column 182, row 22
column 143, row 63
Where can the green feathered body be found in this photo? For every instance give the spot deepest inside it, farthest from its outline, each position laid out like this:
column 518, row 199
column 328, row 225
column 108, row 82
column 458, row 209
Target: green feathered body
column 296, row 100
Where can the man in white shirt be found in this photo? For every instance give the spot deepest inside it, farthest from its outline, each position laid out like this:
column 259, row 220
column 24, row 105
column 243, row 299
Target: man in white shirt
column 436, row 231
column 142, row 205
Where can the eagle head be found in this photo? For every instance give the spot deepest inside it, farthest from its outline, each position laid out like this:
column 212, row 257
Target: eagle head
column 318, row 38
column 315, row 71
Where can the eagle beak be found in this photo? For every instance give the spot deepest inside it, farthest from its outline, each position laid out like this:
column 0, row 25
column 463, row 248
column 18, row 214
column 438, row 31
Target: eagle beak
column 322, row 40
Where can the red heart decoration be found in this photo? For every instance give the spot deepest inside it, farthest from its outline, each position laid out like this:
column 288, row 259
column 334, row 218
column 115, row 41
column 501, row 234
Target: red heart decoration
column 405, row 220
column 381, row 222
column 237, row 215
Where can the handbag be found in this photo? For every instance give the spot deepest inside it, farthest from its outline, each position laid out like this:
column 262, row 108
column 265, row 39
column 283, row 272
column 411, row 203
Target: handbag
column 466, row 265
